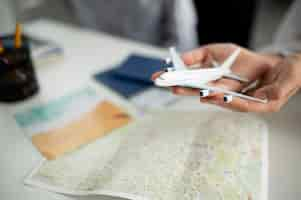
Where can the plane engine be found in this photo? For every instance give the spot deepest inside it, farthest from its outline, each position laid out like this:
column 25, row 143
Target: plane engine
column 169, row 69
column 228, row 98
column 204, row 93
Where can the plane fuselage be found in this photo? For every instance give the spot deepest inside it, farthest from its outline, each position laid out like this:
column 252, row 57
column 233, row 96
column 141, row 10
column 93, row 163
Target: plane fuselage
column 189, row 78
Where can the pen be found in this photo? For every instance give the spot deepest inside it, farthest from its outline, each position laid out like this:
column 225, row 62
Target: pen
column 1, row 47
column 18, row 35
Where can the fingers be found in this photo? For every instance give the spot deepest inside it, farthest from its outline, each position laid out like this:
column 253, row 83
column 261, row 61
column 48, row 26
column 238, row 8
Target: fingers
column 277, row 93
column 195, row 56
column 277, row 86
column 219, row 52
column 202, row 57
column 280, row 84
column 242, row 105
column 229, row 84
column 185, row 91
column 156, row 75
column 236, row 104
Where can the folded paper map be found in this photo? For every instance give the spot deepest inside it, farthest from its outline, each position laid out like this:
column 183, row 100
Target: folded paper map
column 168, row 155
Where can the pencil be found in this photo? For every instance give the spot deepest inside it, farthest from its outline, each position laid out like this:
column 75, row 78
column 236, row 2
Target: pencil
column 18, row 35
column 1, row 46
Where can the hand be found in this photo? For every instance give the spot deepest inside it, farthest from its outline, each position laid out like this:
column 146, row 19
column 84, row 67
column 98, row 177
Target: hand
column 278, row 84
column 267, row 68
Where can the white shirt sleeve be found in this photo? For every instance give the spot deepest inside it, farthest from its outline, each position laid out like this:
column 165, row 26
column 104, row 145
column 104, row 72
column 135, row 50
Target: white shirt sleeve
column 288, row 37
column 186, row 22
column 7, row 16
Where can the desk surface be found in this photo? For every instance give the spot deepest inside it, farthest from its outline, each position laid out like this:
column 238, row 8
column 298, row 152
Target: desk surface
column 88, row 52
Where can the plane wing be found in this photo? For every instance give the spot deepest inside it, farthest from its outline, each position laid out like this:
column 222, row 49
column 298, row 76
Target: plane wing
column 230, row 75
column 176, row 59
column 231, row 59
column 236, row 77
column 235, row 94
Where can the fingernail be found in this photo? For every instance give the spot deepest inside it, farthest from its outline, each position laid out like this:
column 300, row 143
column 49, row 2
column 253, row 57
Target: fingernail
column 262, row 96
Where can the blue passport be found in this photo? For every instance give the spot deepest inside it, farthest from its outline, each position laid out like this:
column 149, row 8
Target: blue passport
column 139, row 68
column 132, row 76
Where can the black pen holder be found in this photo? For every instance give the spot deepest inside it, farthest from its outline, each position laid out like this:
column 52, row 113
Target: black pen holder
column 17, row 75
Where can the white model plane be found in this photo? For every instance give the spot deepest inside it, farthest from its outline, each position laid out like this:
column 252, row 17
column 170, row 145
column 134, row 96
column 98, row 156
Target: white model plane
column 177, row 74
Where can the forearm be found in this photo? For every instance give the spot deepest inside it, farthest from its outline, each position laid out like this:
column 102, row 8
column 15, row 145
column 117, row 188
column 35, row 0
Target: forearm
column 287, row 40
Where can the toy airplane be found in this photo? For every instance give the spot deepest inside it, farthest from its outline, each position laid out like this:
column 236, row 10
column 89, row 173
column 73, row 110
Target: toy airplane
column 177, row 74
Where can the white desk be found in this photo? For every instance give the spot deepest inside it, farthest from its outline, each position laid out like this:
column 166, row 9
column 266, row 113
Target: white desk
column 86, row 53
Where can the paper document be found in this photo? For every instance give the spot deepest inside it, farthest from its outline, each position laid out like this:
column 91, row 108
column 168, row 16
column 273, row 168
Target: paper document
column 154, row 98
column 66, row 123
column 44, row 51
column 168, row 156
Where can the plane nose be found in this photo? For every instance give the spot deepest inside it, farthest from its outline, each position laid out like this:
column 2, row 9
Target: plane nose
column 159, row 81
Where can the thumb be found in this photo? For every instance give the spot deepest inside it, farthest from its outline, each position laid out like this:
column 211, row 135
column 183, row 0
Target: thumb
column 277, row 84
column 276, row 94
column 196, row 56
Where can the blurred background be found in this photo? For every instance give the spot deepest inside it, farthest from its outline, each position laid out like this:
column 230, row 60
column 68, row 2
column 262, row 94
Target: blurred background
column 188, row 24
